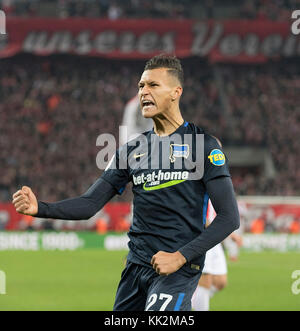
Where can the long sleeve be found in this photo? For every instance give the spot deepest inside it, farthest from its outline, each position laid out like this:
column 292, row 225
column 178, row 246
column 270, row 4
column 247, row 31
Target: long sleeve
column 79, row 208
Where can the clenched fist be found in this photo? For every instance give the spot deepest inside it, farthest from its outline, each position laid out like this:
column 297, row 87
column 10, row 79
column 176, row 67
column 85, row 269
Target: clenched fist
column 166, row 263
column 25, row 201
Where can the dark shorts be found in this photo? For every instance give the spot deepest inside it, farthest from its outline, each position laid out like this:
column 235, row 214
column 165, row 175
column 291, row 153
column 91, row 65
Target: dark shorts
column 141, row 288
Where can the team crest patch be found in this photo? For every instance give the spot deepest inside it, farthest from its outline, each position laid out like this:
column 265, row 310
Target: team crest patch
column 177, row 150
column 217, row 157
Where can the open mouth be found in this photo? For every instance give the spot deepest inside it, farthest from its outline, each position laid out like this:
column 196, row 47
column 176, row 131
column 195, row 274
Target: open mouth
column 147, row 104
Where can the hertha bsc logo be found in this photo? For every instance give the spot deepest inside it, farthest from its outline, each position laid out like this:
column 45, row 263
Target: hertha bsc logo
column 177, row 150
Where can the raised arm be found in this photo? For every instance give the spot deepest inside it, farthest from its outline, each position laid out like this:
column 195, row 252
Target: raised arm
column 79, row 208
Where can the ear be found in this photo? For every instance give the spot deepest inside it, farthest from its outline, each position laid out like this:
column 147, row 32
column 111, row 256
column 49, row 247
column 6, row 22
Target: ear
column 176, row 94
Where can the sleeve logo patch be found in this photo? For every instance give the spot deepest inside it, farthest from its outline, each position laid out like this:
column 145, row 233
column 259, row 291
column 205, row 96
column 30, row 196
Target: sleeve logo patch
column 217, row 157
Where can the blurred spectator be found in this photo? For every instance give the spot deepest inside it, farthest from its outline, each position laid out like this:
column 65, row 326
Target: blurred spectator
column 114, row 11
column 295, row 227
column 4, row 216
column 257, row 226
column 26, row 222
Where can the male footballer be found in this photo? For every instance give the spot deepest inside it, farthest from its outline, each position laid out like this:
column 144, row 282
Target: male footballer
column 168, row 239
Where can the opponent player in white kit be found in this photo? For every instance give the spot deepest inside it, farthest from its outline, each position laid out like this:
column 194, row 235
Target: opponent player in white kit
column 214, row 274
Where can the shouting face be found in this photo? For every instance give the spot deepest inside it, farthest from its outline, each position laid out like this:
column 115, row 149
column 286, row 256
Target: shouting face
column 158, row 90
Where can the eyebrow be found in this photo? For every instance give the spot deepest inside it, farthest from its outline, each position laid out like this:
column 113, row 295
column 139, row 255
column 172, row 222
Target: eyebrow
column 143, row 82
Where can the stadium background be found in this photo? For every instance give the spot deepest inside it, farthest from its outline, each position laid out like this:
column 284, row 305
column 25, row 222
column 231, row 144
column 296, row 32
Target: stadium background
column 68, row 68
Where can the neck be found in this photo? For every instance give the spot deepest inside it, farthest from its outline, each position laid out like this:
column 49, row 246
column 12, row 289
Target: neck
column 166, row 124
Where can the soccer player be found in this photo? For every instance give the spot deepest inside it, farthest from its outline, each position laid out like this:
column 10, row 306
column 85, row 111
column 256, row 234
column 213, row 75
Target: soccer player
column 233, row 243
column 168, row 240
column 214, row 273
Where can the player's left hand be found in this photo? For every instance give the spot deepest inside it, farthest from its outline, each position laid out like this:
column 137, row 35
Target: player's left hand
column 237, row 239
column 166, row 263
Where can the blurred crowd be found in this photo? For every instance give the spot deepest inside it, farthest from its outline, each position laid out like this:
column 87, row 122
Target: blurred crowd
column 51, row 113
column 276, row 10
column 264, row 108
column 261, row 110
column 112, row 9
column 115, row 9
column 53, row 109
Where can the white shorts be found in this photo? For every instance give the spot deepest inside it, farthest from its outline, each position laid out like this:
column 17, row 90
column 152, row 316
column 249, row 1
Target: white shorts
column 215, row 261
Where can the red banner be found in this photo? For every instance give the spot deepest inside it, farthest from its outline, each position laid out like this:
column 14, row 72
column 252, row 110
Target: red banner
column 258, row 215
column 235, row 40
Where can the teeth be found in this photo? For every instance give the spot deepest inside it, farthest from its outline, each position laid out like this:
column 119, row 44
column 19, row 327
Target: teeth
column 147, row 103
